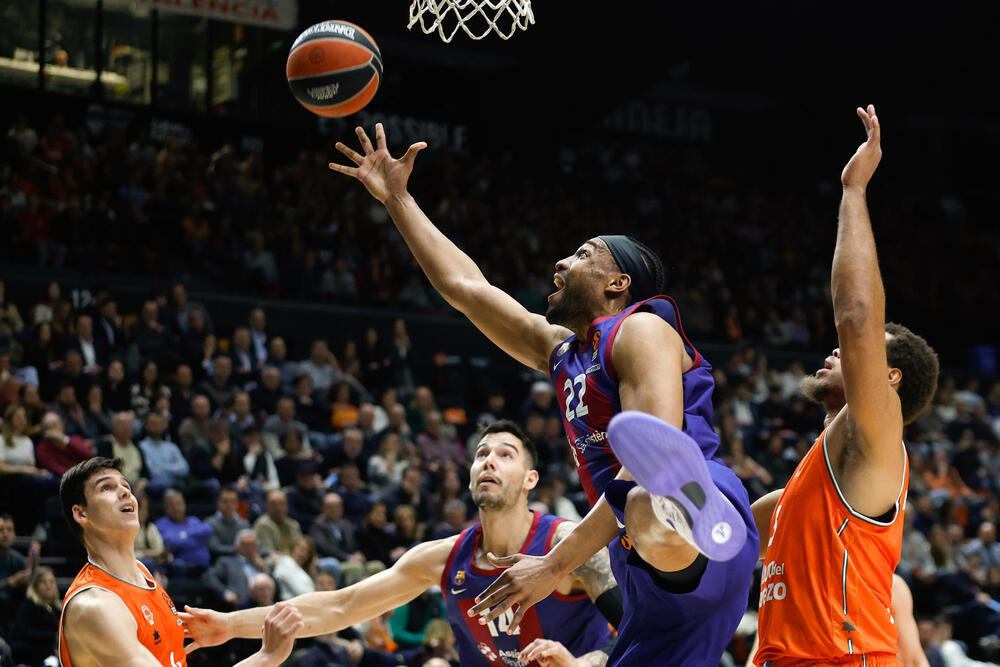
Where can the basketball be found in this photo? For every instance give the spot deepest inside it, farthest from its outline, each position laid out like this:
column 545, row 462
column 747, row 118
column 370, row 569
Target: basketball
column 334, row 68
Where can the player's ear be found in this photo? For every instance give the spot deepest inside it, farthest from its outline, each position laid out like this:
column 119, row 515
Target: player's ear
column 531, row 480
column 618, row 283
column 80, row 513
column 895, row 378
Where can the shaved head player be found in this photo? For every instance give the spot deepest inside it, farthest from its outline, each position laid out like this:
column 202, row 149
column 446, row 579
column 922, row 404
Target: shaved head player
column 114, row 612
column 683, row 542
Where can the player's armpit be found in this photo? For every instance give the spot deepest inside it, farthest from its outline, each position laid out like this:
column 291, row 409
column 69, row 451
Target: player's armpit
column 88, row 616
column 763, row 509
column 649, row 359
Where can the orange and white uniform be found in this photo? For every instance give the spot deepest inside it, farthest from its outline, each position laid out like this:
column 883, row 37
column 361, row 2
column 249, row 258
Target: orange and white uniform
column 157, row 625
column 826, row 587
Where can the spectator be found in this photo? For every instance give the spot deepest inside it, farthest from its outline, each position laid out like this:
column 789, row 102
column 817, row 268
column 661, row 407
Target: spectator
column 149, row 547
column 43, row 353
column 119, row 445
column 293, row 456
column 71, row 372
column 221, row 462
column 149, row 335
column 264, row 398
column 985, row 546
column 351, row 450
column 401, row 349
column 197, row 341
column 58, row 452
column 148, row 390
column 321, row 366
column 257, row 462
column 193, row 431
column 305, row 498
column 375, row 540
column 405, row 531
column 17, row 452
column 315, row 415
column 420, row 406
column 181, row 393
column 262, row 590
column 541, row 400
column 226, row 524
column 276, row 531
column 295, row 574
column 278, row 358
column 376, row 364
column 352, row 490
column 11, row 324
column 14, row 570
column 219, row 387
column 241, row 356
column 231, row 577
column 167, row 466
column 410, row 492
column 454, row 520
column 436, row 447
column 343, row 411
column 70, row 411
column 117, row 392
column 258, row 337
column 95, row 414
column 333, row 534
column 108, row 329
column 278, row 424
column 385, row 469
column 36, row 626
column 186, row 537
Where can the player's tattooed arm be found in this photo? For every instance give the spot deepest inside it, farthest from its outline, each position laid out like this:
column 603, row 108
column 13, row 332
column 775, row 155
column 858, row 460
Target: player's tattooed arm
column 594, row 576
column 593, row 659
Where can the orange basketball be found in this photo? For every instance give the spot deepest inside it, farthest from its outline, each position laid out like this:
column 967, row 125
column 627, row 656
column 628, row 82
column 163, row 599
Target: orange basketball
column 334, row 68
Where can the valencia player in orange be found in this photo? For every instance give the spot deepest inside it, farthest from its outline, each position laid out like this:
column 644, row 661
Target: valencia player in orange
column 835, row 530
column 115, row 613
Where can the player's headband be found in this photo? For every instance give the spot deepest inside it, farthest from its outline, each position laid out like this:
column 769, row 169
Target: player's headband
column 628, row 257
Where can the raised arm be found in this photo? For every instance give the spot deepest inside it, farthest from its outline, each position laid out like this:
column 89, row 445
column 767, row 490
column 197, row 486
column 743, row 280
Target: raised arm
column 330, row 611
column 523, row 335
column 873, row 427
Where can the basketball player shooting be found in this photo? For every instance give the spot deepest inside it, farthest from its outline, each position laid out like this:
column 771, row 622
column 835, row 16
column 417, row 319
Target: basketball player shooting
column 502, row 474
column 835, row 530
column 114, row 612
column 683, row 542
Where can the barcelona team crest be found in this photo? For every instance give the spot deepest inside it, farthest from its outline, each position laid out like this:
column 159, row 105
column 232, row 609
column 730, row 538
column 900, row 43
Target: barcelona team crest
column 460, row 577
column 147, row 614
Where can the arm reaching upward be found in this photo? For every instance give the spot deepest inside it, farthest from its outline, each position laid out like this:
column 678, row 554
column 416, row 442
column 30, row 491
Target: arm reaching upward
column 523, row 335
column 329, row 611
column 872, row 429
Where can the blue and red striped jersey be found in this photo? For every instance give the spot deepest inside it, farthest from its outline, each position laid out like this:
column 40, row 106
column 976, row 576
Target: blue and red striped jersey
column 572, row 620
column 587, row 388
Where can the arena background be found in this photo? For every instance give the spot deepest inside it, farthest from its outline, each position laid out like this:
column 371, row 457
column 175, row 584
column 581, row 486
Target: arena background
column 715, row 132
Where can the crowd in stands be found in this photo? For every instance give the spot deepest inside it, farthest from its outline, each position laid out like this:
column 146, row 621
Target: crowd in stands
column 267, row 469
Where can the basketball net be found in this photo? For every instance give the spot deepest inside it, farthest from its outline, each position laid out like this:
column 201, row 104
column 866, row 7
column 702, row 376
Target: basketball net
column 477, row 18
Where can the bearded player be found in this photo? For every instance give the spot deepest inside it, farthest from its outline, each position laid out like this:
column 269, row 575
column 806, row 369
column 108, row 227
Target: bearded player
column 683, row 542
column 501, row 477
column 115, row 613
column 836, row 530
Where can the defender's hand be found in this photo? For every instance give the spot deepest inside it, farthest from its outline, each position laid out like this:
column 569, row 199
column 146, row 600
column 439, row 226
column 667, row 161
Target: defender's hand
column 528, row 580
column 283, row 622
column 383, row 175
column 548, row 653
column 205, row 627
column 859, row 170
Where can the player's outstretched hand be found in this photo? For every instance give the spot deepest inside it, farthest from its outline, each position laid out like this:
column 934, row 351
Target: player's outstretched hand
column 383, row 175
column 283, row 622
column 548, row 653
column 205, row 626
column 859, row 170
column 528, row 580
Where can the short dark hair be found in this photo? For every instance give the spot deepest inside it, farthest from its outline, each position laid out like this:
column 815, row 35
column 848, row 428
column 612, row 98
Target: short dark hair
column 918, row 362
column 507, row 426
column 74, row 482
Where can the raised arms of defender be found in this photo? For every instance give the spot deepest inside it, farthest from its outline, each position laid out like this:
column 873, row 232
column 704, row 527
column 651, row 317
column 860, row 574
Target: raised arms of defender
column 523, row 335
column 870, row 430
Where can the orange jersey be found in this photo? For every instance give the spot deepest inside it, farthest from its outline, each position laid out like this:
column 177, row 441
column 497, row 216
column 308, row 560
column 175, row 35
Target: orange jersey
column 157, row 626
column 826, row 587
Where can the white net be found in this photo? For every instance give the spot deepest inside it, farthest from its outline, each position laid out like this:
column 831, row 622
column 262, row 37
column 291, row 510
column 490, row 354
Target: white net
column 477, row 18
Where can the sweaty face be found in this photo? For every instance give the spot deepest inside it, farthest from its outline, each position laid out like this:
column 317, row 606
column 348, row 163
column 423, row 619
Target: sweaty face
column 579, row 281
column 498, row 474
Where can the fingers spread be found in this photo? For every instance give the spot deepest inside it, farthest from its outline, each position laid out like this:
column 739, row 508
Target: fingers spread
column 352, row 154
column 516, row 621
column 496, row 592
column 366, row 144
column 344, row 169
column 496, row 611
column 380, row 136
column 193, row 646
